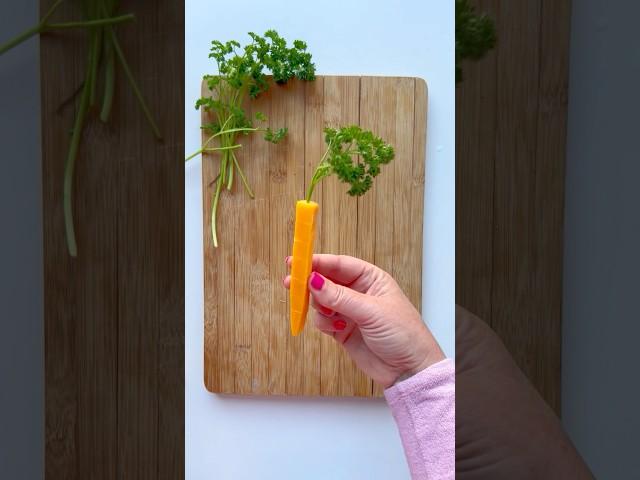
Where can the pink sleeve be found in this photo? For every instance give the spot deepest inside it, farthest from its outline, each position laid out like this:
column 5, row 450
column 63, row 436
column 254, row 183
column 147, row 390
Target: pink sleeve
column 424, row 407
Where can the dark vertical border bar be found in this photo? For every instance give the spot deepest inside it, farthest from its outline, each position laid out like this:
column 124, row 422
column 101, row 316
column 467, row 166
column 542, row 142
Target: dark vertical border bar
column 475, row 168
column 510, row 151
column 21, row 269
column 114, row 316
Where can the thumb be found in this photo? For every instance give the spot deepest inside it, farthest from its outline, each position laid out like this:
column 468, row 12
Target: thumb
column 341, row 299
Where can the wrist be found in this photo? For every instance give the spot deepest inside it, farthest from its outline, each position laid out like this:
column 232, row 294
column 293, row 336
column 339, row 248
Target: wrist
column 434, row 356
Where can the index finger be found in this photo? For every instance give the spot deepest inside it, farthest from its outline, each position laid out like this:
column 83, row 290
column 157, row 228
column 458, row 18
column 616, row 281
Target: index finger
column 341, row 269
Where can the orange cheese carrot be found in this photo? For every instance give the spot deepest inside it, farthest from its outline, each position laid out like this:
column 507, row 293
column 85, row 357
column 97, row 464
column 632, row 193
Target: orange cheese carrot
column 303, row 237
column 344, row 146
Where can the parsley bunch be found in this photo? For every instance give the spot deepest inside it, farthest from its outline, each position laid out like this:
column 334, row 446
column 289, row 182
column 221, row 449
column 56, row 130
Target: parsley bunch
column 97, row 90
column 475, row 35
column 342, row 145
column 241, row 74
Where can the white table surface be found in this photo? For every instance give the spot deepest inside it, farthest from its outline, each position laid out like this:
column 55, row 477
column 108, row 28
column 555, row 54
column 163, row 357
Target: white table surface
column 301, row 438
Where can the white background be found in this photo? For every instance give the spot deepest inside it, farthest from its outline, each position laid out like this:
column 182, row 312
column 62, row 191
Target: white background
column 264, row 438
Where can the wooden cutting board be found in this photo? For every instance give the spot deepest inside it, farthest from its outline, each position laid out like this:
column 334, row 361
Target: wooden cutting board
column 248, row 348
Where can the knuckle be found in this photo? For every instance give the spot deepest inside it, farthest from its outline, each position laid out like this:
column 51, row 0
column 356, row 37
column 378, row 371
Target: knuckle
column 387, row 278
column 339, row 264
column 339, row 297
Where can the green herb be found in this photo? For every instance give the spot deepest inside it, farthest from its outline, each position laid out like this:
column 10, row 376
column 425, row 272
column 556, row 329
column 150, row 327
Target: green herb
column 104, row 51
column 342, row 146
column 241, row 74
column 475, row 35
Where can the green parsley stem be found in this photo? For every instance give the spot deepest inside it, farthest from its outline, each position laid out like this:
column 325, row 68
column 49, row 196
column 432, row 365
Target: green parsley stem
column 230, row 181
column 242, row 175
column 96, row 43
column 317, row 175
column 44, row 27
column 229, row 147
column 132, row 81
column 27, row 34
column 70, row 164
column 214, row 210
column 240, row 129
column 221, row 149
column 109, row 82
column 90, row 23
column 314, row 181
column 223, row 167
column 50, row 12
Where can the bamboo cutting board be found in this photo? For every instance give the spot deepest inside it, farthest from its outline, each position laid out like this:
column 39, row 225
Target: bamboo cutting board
column 248, row 348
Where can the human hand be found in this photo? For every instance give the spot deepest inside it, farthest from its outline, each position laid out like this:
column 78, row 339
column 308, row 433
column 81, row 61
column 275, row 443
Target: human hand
column 365, row 310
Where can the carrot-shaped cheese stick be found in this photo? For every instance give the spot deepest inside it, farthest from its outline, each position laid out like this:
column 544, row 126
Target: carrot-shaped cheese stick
column 343, row 145
column 305, row 231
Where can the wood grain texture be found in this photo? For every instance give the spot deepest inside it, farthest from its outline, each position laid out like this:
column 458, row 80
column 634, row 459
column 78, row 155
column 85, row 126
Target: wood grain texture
column 414, row 284
column 339, row 235
column 476, row 99
column 261, row 283
column 549, row 193
column 314, row 142
column 114, row 316
column 384, row 100
column 510, row 140
column 294, row 117
column 513, row 240
column 80, row 323
column 261, row 355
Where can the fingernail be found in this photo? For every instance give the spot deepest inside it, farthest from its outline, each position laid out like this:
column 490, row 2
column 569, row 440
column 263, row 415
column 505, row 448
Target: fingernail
column 327, row 312
column 339, row 324
column 316, row 281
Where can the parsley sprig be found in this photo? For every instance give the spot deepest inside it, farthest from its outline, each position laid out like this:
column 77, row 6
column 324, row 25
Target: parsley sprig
column 475, row 35
column 345, row 144
column 241, row 74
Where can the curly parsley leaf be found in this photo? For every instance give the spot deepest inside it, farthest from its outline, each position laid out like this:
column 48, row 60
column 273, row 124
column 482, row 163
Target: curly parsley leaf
column 275, row 136
column 475, row 35
column 344, row 145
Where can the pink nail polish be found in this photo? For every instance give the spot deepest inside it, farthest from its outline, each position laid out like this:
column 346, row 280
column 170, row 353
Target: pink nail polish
column 327, row 312
column 339, row 324
column 316, row 281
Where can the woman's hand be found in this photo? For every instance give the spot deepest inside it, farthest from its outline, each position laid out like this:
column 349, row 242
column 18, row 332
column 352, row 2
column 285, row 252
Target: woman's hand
column 363, row 308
